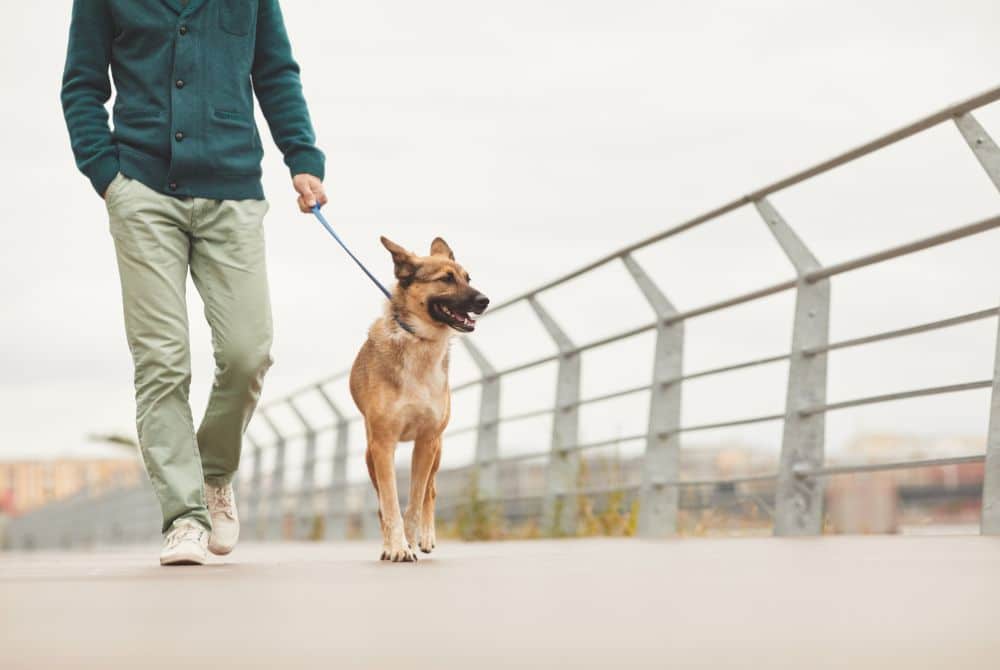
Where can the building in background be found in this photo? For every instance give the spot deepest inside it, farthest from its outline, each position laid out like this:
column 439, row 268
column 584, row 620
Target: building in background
column 895, row 501
column 26, row 485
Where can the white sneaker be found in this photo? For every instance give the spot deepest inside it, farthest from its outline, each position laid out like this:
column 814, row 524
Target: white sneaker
column 186, row 543
column 225, row 519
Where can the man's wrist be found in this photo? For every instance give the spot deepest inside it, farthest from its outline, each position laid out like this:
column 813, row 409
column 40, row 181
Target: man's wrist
column 311, row 162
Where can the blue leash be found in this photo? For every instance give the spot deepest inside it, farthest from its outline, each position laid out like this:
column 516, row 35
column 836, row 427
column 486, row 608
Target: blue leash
column 329, row 229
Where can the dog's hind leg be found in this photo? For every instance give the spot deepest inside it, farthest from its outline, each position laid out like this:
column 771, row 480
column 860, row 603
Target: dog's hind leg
column 425, row 451
column 393, row 537
column 428, row 539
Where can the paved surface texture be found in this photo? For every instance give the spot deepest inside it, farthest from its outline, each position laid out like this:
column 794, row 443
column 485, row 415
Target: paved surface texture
column 833, row 602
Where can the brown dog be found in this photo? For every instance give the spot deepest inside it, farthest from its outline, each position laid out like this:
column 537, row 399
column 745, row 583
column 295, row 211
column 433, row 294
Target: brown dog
column 399, row 382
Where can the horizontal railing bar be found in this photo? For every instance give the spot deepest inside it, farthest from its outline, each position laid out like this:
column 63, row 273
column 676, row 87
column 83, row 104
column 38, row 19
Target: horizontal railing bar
column 892, row 465
column 730, row 368
column 604, row 490
column 531, row 414
column 892, row 137
column 904, row 249
column 745, row 479
column 902, row 332
column 551, row 358
column 613, row 394
column 583, row 446
column 901, row 395
column 728, row 424
column 510, row 417
column 521, row 367
column 732, row 302
column 638, row 436
column 530, row 456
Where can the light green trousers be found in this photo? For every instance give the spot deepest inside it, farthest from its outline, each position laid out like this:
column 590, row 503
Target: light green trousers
column 158, row 238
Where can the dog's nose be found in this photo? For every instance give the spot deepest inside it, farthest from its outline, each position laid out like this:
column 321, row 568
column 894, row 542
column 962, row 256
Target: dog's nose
column 481, row 303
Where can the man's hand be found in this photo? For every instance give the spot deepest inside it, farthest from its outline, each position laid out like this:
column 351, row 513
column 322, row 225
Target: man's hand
column 310, row 190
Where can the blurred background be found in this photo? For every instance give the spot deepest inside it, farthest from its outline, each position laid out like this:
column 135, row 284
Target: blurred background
column 535, row 137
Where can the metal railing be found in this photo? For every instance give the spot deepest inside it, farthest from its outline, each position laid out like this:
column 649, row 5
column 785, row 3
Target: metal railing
column 799, row 477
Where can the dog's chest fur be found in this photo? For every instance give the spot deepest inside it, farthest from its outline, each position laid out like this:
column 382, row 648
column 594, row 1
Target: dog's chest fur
column 400, row 382
column 423, row 387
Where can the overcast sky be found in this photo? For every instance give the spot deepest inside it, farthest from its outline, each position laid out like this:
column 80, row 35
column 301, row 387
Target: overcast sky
column 534, row 136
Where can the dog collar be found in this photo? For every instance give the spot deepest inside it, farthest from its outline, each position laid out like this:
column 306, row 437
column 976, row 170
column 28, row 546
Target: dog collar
column 405, row 326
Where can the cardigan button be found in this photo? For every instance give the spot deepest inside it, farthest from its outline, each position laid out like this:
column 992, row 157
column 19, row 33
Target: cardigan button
column 183, row 30
column 179, row 83
column 178, row 136
column 172, row 186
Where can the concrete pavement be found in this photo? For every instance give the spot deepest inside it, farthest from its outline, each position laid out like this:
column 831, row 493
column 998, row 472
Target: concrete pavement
column 830, row 602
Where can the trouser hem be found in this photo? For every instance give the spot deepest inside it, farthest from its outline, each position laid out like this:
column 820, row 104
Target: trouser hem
column 200, row 516
column 220, row 480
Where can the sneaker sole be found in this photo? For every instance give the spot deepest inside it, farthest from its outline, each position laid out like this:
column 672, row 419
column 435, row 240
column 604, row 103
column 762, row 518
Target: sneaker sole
column 221, row 551
column 189, row 559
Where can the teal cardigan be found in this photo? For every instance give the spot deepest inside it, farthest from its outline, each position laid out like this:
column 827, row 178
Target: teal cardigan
column 185, row 75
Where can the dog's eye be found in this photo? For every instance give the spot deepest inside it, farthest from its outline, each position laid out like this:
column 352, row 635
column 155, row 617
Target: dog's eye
column 448, row 278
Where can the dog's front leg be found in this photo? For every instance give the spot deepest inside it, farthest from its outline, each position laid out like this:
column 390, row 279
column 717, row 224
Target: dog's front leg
column 394, row 543
column 426, row 454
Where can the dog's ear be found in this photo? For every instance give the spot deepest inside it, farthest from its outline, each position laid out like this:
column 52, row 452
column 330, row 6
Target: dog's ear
column 440, row 248
column 404, row 262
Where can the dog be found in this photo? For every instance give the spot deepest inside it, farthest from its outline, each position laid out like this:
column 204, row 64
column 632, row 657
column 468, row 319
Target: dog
column 399, row 382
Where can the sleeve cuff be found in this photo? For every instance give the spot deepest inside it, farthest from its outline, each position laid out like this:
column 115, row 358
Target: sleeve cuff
column 102, row 173
column 309, row 161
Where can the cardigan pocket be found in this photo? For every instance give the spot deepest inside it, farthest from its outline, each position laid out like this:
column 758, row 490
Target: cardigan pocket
column 234, row 16
column 143, row 129
column 235, row 117
column 231, row 144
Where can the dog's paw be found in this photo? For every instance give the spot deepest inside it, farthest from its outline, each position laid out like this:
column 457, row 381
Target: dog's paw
column 398, row 550
column 400, row 555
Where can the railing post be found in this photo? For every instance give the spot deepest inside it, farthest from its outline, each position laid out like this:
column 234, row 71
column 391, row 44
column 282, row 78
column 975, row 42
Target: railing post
column 989, row 522
column 306, row 508
column 658, row 500
column 559, row 511
column 254, row 494
column 799, row 499
column 488, row 432
column 276, row 512
column 988, row 155
column 336, row 525
column 982, row 145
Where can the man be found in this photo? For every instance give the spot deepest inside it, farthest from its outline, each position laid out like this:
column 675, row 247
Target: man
column 180, row 174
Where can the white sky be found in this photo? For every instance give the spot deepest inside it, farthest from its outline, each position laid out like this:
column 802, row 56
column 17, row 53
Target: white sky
column 535, row 136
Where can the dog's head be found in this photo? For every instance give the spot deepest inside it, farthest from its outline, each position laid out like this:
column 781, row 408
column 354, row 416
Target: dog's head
column 435, row 289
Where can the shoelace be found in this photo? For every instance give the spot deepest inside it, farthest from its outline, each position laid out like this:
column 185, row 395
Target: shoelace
column 184, row 533
column 220, row 499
